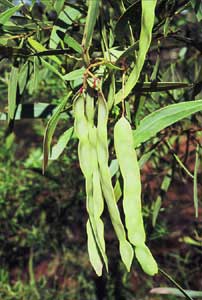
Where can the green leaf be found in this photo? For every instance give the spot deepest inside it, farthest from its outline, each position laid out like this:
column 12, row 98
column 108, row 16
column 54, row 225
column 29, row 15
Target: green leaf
column 195, row 181
column 110, row 98
column 129, row 51
column 179, row 288
column 176, row 292
column 31, row 111
column 144, row 158
column 182, row 165
column 117, row 191
column 188, row 240
column 197, row 6
column 157, row 204
column 36, row 74
column 112, row 66
column 76, row 74
column 58, row 5
column 22, row 77
column 156, row 209
column 3, row 41
column 164, row 117
column 131, row 13
column 40, row 48
column 147, row 22
column 179, row 161
column 66, row 16
column 156, row 69
column 166, row 27
column 50, row 129
column 61, row 144
column 12, row 90
column 17, row 29
column 72, row 43
column 7, row 3
column 9, row 141
column 52, row 68
column 114, row 54
column 6, row 15
column 93, row 11
column 160, row 86
column 114, row 166
column 128, row 111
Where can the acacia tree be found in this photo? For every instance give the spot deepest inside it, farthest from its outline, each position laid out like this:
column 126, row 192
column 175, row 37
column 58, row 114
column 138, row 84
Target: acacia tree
column 116, row 65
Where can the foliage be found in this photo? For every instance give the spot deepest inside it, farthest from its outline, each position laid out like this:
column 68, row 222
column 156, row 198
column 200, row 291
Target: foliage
column 144, row 58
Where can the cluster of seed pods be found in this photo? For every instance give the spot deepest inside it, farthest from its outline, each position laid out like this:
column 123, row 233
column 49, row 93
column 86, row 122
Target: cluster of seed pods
column 93, row 156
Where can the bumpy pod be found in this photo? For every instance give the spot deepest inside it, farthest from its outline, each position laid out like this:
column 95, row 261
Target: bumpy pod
column 85, row 154
column 127, row 159
column 96, row 201
column 126, row 250
column 93, row 251
column 126, row 155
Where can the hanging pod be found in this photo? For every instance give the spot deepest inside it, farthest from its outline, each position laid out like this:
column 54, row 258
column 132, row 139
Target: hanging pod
column 127, row 159
column 88, row 162
column 126, row 249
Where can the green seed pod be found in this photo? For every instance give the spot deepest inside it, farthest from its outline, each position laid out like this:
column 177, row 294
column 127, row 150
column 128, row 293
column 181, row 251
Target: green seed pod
column 127, row 158
column 126, row 249
column 89, row 166
column 146, row 260
column 92, row 251
column 84, row 152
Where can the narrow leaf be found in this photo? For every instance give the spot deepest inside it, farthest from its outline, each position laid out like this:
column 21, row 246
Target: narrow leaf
column 52, row 68
column 76, row 74
column 117, row 191
column 160, row 86
column 147, row 22
column 50, row 129
column 129, row 51
column 176, row 292
column 114, row 54
column 195, row 181
column 164, row 117
column 180, row 161
column 72, row 43
column 36, row 74
column 31, row 111
column 40, row 48
column 190, row 241
column 111, row 94
column 6, row 15
column 156, row 69
column 182, row 165
column 61, row 144
column 197, row 6
column 157, row 204
column 22, row 77
column 7, row 3
column 65, row 18
column 58, row 5
column 156, row 210
column 127, row 16
column 112, row 66
column 186, row 295
column 12, row 90
column 144, row 158
column 93, row 11
column 114, row 166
